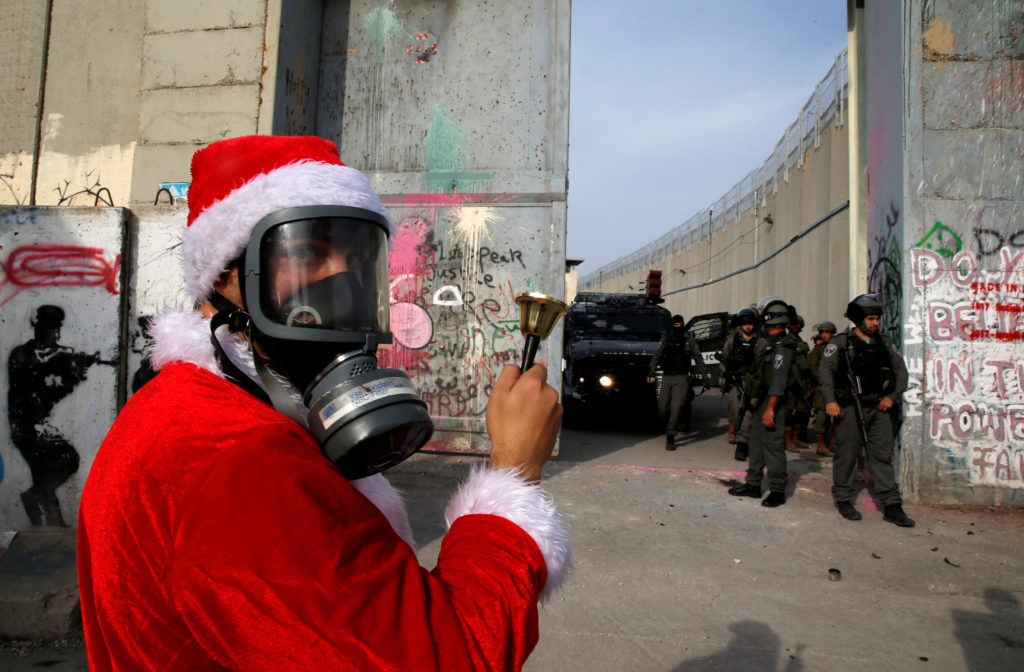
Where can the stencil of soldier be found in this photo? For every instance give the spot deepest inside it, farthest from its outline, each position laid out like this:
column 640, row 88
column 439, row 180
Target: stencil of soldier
column 41, row 373
column 145, row 372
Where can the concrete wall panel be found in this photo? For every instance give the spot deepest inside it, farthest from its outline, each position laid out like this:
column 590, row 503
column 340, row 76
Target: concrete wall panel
column 965, row 253
column 22, row 43
column 171, row 17
column 63, row 396
column 91, row 111
column 203, row 58
column 198, row 115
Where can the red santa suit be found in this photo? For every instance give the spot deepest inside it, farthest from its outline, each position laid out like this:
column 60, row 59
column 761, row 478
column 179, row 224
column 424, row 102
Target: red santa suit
column 213, row 533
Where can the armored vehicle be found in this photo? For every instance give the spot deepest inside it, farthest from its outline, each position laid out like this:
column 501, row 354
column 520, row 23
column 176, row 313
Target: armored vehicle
column 608, row 345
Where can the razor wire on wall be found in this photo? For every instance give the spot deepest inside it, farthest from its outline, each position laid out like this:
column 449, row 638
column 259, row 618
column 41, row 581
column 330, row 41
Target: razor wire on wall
column 826, row 104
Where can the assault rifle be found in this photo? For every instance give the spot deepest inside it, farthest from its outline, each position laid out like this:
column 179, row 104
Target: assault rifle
column 855, row 392
column 743, row 404
column 734, row 378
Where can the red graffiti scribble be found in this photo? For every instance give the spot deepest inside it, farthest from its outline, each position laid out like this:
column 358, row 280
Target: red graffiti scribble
column 51, row 265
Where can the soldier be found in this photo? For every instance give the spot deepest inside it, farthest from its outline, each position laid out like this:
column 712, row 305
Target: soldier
column 676, row 356
column 799, row 408
column 820, row 423
column 736, row 358
column 769, row 384
column 862, row 378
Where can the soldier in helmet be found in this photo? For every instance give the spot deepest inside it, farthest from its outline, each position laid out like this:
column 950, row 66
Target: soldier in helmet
column 769, row 385
column 819, row 423
column 677, row 355
column 799, row 408
column 736, row 358
column 862, row 365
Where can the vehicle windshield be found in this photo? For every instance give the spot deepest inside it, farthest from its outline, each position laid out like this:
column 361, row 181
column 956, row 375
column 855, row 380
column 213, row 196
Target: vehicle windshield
column 620, row 326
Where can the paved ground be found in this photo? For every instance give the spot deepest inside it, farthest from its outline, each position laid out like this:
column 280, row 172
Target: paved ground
column 671, row 573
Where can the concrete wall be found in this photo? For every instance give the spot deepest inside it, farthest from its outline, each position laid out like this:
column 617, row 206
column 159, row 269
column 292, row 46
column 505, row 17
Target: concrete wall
column 963, row 251
column 459, row 113
column 760, row 238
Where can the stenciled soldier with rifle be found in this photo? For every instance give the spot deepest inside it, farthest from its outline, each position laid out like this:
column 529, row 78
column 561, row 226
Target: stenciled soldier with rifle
column 736, row 358
column 863, row 377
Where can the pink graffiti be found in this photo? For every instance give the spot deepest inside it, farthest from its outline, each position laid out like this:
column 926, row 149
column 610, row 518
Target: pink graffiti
column 51, row 265
column 1000, row 461
column 970, row 419
column 411, row 325
column 963, row 269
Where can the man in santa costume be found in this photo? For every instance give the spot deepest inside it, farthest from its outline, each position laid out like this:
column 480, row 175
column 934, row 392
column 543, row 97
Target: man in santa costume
column 235, row 517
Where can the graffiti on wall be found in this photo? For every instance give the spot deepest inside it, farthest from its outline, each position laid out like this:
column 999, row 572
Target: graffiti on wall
column 41, row 372
column 54, row 265
column 453, row 311
column 969, row 317
column 886, row 277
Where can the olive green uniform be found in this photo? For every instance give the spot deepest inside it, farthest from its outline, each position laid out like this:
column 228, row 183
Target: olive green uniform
column 881, row 371
column 768, row 446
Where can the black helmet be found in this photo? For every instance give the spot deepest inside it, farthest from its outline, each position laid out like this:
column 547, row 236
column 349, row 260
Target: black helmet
column 862, row 306
column 776, row 313
column 797, row 319
column 677, row 318
column 746, row 316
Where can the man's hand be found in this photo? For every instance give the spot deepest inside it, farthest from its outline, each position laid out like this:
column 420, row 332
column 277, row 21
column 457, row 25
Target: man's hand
column 768, row 419
column 833, row 409
column 523, row 420
column 884, row 404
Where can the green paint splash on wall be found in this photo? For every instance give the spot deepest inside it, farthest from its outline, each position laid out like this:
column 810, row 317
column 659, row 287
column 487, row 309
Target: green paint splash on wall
column 446, row 158
column 382, row 25
column 443, row 143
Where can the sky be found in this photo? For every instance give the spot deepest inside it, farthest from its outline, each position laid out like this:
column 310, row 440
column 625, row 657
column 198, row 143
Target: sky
column 672, row 102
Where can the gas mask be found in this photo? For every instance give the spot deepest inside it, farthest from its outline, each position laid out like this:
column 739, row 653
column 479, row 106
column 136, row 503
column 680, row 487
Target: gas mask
column 314, row 282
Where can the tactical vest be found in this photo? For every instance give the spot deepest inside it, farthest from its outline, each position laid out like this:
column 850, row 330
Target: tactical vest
column 871, row 364
column 675, row 355
column 742, row 354
column 758, row 381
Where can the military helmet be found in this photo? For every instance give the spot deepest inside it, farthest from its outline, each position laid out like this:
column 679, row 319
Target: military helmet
column 826, row 326
column 797, row 319
column 776, row 313
column 862, row 306
column 746, row 316
column 763, row 303
column 677, row 318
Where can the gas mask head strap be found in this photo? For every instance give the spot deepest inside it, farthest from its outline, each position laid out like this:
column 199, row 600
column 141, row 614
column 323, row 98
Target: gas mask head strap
column 238, row 321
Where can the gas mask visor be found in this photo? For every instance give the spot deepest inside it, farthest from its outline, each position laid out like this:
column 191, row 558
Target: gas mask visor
column 316, row 287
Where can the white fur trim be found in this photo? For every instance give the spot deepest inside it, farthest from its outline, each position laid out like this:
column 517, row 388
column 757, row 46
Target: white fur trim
column 381, row 493
column 219, row 234
column 503, row 493
column 182, row 336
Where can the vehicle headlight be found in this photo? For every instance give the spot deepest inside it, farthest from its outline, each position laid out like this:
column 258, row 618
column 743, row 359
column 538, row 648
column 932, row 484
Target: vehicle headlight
column 606, row 381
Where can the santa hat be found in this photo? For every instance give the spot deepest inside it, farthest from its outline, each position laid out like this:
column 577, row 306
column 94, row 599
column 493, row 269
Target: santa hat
column 237, row 182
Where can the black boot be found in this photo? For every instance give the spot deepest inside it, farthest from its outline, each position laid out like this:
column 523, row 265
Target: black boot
column 746, row 490
column 774, row 499
column 670, row 442
column 894, row 514
column 742, row 450
column 847, row 511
